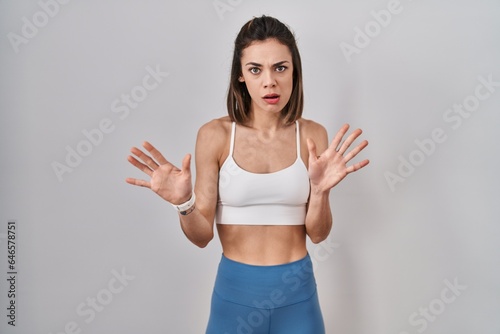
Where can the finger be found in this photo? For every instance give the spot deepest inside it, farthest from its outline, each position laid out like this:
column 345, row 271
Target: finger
column 186, row 164
column 357, row 166
column 338, row 137
column 350, row 139
column 311, row 147
column 155, row 153
column 137, row 182
column 356, row 150
column 140, row 165
column 147, row 160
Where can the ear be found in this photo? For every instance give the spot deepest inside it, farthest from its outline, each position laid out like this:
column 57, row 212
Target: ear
column 241, row 79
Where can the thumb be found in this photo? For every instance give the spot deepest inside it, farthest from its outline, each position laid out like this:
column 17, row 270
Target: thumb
column 186, row 164
column 311, row 146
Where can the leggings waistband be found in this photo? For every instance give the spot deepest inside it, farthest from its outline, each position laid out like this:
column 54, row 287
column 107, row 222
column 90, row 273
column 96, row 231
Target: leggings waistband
column 265, row 287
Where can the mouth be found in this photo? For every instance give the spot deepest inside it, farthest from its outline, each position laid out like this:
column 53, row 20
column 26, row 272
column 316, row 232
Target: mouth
column 272, row 98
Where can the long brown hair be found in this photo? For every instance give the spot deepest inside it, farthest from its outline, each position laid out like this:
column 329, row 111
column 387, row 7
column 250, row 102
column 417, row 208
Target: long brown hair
column 238, row 98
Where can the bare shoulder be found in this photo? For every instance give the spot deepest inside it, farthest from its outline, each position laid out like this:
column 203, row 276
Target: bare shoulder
column 218, row 127
column 313, row 130
column 213, row 136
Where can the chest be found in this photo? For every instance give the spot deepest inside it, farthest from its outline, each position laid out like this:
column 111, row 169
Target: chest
column 258, row 152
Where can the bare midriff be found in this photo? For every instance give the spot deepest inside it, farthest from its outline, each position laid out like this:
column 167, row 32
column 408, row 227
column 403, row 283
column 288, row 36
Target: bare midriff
column 263, row 244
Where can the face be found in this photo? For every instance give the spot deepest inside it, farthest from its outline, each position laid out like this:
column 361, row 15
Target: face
column 267, row 71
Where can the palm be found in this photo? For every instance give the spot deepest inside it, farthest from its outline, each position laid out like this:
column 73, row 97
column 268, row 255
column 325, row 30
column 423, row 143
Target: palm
column 327, row 171
column 168, row 181
column 331, row 167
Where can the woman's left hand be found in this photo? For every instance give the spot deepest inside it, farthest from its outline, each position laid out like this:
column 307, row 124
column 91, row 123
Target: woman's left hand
column 327, row 170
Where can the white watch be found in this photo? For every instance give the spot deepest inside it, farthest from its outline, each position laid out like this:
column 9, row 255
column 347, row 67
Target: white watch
column 187, row 207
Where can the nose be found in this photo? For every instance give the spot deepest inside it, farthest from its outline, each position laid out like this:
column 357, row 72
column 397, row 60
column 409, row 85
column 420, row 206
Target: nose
column 269, row 79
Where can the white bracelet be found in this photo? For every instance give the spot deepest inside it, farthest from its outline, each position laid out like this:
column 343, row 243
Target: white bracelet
column 187, row 207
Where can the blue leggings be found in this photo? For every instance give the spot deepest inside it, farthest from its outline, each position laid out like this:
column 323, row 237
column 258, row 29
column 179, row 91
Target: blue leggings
column 279, row 299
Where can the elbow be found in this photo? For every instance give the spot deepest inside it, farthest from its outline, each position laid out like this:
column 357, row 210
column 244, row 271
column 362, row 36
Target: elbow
column 319, row 235
column 202, row 243
column 318, row 232
column 318, row 238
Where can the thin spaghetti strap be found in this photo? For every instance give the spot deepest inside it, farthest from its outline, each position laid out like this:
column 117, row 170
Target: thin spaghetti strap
column 298, row 138
column 231, row 143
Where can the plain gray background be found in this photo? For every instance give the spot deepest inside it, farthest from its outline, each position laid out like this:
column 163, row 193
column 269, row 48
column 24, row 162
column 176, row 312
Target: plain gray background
column 393, row 250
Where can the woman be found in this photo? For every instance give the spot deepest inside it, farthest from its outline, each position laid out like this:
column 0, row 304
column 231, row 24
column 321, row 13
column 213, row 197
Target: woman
column 264, row 175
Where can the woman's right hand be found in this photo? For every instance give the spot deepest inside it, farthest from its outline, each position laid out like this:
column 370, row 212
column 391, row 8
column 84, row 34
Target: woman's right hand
column 169, row 182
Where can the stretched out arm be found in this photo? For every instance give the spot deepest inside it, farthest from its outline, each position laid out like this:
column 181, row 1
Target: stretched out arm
column 175, row 186
column 326, row 170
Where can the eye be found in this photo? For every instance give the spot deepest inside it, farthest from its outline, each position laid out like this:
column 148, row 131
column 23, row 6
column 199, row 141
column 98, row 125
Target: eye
column 281, row 68
column 255, row 70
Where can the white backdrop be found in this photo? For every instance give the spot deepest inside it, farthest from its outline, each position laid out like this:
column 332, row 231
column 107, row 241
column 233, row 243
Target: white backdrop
column 415, row 245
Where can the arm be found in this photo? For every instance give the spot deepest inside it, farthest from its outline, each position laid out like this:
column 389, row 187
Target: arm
column 326, row 170
column 319, row 214
column 174, row 185
column 198, row 226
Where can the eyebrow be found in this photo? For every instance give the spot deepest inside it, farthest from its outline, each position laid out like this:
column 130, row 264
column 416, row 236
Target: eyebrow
column 260, row 65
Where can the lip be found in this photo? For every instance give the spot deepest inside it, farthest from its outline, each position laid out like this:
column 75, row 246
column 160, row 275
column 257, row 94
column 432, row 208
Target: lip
column 271, row 98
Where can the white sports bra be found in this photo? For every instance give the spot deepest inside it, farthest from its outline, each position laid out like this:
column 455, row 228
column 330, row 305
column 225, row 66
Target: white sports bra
column 277, row 198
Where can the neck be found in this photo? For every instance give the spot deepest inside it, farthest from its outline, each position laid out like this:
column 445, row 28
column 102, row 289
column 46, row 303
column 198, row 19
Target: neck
column 261, row 120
